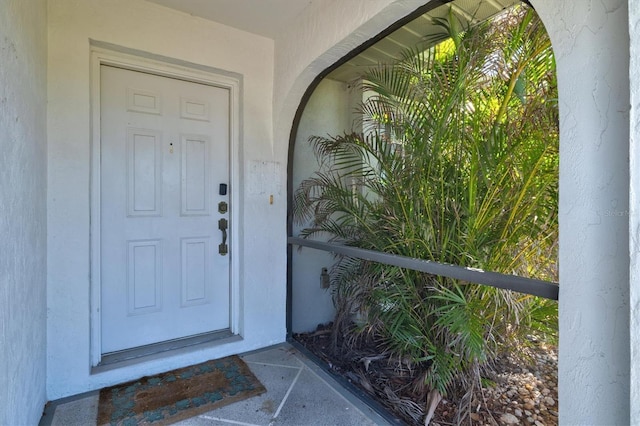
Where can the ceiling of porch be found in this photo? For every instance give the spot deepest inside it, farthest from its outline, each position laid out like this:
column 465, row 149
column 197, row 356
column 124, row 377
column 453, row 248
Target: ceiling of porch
column 266, row 17
column 261, row 17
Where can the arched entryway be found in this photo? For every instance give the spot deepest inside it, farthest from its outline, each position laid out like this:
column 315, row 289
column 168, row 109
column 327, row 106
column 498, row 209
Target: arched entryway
column 593, row 180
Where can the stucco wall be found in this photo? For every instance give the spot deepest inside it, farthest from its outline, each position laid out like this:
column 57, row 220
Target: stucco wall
column 591, row 42
column 634, row 201
column 23, row 61
column 328, row 112
column 147, row 27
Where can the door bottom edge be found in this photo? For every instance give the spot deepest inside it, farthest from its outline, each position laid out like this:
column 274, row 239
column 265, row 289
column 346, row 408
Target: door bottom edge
column 137, row 355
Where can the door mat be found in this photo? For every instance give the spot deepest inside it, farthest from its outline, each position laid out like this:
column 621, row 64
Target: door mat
column 178, row 394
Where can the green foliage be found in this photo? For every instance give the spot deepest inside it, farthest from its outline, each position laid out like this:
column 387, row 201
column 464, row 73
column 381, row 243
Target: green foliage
column 457, row 163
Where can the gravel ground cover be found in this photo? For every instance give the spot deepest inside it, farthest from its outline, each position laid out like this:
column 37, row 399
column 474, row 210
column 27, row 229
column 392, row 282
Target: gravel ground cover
column 520, row 389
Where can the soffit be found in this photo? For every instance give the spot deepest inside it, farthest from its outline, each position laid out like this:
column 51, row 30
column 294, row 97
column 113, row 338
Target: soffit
column 416, row 33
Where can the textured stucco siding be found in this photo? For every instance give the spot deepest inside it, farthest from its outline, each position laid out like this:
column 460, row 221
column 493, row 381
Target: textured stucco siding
column 591, row 44
column 634, row 208
column 23, row 45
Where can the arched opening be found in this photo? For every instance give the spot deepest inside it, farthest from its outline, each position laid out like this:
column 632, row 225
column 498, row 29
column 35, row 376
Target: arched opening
column 329, row 109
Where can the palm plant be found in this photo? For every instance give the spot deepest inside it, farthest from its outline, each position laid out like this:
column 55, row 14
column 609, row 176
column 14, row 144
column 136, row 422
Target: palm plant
column 457, row 163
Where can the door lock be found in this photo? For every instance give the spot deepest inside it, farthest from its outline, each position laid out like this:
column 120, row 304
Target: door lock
column 222, row 207
column 223, row 224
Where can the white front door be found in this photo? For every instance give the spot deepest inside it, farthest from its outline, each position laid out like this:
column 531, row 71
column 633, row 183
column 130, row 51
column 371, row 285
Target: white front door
column 164, row 153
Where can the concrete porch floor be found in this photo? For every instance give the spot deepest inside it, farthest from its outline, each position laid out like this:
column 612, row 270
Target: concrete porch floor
column 298, row 393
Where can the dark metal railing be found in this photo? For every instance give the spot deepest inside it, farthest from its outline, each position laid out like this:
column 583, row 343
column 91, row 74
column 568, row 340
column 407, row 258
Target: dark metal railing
column 531, row 286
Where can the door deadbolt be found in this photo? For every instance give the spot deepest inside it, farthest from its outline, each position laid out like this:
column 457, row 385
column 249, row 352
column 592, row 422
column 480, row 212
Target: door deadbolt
column 223, row 207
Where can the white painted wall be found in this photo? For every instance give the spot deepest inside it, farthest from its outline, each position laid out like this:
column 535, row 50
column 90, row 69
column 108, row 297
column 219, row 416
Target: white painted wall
column 141, row 25
column 329, row 111
column 591, row 41
column 634, row 217
column 23, row 162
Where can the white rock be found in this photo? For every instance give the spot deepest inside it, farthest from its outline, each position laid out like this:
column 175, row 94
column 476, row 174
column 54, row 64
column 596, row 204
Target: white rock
column 509, row 419
column 549, row 401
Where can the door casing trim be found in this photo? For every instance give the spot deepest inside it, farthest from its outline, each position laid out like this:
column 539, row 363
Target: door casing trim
column 108, row 54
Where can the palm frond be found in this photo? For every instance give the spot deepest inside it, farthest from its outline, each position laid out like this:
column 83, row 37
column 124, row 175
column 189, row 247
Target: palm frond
column 457, row 163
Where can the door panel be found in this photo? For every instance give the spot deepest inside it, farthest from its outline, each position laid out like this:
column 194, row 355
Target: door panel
column 144, row 172
column 144, row 276
column 195, row 175
column 164, row 150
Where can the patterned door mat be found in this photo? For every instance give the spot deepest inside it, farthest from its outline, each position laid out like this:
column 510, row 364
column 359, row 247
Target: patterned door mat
column 179, row 394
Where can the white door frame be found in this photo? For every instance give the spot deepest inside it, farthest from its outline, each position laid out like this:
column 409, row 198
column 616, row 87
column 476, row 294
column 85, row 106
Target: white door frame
column 173, row 69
